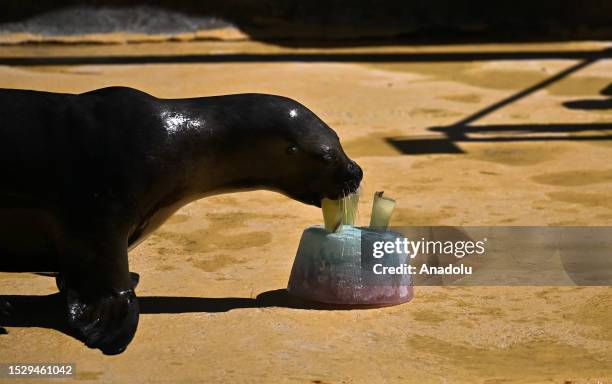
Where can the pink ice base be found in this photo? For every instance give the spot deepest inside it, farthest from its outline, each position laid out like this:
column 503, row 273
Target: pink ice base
column 346, row 295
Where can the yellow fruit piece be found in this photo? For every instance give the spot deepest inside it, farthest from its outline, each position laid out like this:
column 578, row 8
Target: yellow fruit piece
column 339, row 212
column 382, row 209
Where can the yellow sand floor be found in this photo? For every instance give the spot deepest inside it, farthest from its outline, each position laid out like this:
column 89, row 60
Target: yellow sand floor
column 242, row 245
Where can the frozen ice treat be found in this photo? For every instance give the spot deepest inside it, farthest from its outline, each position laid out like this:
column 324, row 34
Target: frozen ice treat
column 335, row 264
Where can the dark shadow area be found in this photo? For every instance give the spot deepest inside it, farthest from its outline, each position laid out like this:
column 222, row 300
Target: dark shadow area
column 593, row 104
column 307, row 57
column 50, row 311
column 275, row 298
column 420, row 146
column 589, row 105
column 328, row 23
column 534, row 88
column 513, row 132
column 519, row 129
column 36, row 311
column 516, row 132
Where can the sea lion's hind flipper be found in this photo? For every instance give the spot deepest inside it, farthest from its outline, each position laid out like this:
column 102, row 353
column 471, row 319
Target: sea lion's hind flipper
column 102, row 305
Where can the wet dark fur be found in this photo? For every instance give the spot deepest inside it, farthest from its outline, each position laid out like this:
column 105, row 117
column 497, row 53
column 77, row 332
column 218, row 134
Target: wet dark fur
column 85, row 177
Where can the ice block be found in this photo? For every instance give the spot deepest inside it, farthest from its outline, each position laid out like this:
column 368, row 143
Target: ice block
column 330, row 268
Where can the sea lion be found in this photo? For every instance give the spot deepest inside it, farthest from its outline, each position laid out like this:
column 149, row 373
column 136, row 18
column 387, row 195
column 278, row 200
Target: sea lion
column 85, row 177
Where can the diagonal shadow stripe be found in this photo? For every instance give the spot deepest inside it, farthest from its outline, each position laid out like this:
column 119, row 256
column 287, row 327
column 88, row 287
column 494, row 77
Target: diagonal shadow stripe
column 306, row 57
column 504, row 133
column 525, row 128
column 526, row 92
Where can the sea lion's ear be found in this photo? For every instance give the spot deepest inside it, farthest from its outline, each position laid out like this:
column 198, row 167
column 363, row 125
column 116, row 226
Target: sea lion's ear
column 292, row 150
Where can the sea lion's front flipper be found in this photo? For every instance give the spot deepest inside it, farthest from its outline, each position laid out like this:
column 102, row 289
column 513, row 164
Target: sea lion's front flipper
column 102, row 305
column 107, row 322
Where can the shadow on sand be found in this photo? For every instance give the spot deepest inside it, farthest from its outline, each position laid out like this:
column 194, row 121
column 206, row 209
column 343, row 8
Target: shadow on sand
column 463, row 130
column 593, row 104
column 49, row 311
column 308, row 57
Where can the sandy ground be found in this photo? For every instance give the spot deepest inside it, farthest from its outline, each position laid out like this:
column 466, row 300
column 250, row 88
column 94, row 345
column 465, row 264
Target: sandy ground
column 202, row 271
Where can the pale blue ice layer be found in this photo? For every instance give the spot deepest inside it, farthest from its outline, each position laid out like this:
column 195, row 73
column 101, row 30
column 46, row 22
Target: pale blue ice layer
column 330, row 267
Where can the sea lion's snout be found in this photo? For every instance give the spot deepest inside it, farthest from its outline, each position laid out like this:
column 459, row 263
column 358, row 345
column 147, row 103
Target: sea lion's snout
column 355, row 176
column 335, row 175
column 348, row 181
column 313, row 165
column 320, row 176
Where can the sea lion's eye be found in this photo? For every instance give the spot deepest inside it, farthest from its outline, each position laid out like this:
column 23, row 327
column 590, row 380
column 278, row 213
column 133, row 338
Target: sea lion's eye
column 292, row 150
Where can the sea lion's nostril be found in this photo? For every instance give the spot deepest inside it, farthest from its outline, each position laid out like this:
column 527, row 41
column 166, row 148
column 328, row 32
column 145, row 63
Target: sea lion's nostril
column 354, row 170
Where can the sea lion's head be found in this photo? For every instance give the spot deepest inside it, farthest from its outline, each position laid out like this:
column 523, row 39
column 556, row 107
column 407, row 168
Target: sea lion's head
column 291, row 150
